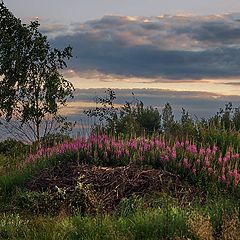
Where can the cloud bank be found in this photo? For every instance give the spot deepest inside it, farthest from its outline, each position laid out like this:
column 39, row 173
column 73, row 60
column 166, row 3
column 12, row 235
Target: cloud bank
column 164, row 47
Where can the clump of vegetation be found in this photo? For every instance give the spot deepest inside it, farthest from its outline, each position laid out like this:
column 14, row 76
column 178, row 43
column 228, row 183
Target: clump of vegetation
column 13, row 148
column 201, row 227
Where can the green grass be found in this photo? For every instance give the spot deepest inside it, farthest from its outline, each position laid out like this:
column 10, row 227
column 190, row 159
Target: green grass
column 149, row 224
column 149, row 217
column 17, row 177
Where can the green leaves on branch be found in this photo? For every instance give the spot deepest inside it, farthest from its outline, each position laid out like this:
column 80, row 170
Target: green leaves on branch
column 31, row 86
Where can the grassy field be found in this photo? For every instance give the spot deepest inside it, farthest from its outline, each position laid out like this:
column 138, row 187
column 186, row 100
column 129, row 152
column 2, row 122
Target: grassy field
column 104, row 187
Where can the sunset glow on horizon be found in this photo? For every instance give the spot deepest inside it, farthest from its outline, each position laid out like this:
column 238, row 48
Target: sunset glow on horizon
column 211, row 86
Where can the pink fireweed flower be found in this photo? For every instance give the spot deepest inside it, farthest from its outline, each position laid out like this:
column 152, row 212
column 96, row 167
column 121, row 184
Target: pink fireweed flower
column 198, row 161
column 146, row 147
column 220, row 160
column 156, row 142
column 228, row 155
column 225, row 159
column 235, row 156
column 141, row 149
column 166, row 158
column 30, row 158
column 207, row 161
column 162, row 144
column 202, row 151
column 189, row 148
column 215, row 148
column 208, row 151
column 168, row 149
column 193, row 149
column 235, row 172
column 209, row 170
column 152, row 143
column 174, row 154
column 178, row 144
column 133, row 144
column 224, row 178
column 230, row 173
column 118, row 153
column 185, row 162
column 236, row 180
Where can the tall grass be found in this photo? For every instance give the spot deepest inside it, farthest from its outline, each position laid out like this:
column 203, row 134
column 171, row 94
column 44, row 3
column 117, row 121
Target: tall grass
column 166, row 222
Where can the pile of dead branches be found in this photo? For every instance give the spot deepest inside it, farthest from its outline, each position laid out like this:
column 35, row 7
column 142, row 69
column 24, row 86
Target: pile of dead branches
column 105, row 187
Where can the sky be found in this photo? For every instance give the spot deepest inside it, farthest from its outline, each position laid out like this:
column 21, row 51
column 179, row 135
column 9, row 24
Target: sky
column 184, row 52
column 66, row 11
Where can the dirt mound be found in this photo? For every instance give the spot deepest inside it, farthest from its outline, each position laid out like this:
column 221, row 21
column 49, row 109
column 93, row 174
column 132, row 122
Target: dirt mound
column 105, row 187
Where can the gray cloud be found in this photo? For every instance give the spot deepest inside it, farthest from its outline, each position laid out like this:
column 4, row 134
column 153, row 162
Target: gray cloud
column 162, row 47
column 233, row 83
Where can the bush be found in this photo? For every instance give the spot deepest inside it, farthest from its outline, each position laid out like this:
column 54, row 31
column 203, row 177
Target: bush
column 13, row 148
column 50, row 203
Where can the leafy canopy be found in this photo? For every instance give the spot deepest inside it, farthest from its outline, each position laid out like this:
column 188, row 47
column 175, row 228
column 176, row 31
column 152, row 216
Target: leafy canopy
column 31, row 86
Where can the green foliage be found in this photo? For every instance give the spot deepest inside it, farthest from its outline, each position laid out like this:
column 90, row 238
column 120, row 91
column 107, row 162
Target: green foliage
column 227, row 118
column 236, row 118
column 50, row 140
column 137, row 219
column 49, row 202
column 131, row 205
column 32, row 87
column 12, row 153
column 168, row 119
column 132, row 118
column 135, row 118
column 13, row 227
column 21, row 175
column 221, row 137
column 142, row 224
column 13, row 148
